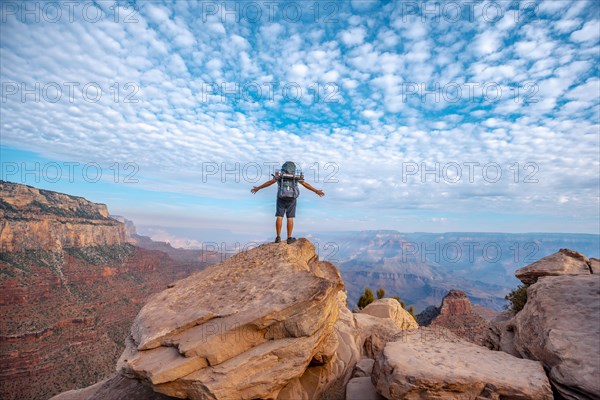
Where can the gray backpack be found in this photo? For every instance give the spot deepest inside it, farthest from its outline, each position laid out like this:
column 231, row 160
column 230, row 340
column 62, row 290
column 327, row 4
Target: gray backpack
column 287, row 181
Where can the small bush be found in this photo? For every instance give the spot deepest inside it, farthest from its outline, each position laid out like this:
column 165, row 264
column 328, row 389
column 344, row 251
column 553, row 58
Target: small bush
column 366, row 299
column 380, row 293
column 517, row 299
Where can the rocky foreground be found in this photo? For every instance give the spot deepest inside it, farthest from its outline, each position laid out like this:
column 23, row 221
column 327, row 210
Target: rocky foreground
column 560, row 323
column 272, row 323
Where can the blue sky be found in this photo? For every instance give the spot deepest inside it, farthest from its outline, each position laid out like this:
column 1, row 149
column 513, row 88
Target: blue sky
column 414, row 116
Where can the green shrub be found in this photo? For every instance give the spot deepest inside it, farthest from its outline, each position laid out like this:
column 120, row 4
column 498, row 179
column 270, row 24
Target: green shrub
column 380, row 293
column 366, row 299
column 517, row 299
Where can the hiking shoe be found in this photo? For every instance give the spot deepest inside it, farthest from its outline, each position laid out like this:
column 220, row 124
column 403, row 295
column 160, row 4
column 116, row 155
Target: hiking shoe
column 291, row 240
column 278, row 239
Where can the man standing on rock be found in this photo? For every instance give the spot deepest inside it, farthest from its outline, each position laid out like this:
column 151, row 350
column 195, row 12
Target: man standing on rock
column 287, row 192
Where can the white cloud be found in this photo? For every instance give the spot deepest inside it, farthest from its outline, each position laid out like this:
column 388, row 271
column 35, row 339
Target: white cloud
column 590, row 32
column 372, row 114
column 298, row 71
column 488, row 42
column 587, row 92
column 354, row 36
column 567, row 25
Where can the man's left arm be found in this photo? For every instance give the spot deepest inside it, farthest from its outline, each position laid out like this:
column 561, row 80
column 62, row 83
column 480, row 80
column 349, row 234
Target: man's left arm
column 309, row 187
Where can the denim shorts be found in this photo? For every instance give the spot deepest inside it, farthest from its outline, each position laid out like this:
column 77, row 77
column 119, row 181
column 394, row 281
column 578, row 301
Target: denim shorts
column 286, row 207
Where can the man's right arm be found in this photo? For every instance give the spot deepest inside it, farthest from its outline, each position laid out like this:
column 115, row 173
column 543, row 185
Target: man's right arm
column 264, row 185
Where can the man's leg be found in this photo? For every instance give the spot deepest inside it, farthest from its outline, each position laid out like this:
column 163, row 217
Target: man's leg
column 278, row 223
column 290, row 226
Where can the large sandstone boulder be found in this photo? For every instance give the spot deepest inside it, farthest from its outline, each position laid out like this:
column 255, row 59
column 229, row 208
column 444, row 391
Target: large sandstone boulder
column 563, row 262
column 375, row 332
column 427, row 365
column 560, row 326
column 244, row 328
column 392, row 309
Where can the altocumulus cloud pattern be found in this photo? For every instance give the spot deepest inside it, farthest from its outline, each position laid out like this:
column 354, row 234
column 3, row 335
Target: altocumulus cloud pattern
column 411, row 106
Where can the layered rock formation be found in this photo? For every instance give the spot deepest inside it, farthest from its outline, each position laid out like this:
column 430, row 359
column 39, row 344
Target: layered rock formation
column 559, row 325
column 67, row 309
column 456, row 314
column 33, row 218
column 235, row 331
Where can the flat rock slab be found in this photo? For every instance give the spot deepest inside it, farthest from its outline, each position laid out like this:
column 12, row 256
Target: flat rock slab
column 560, row 326
column 563, row 262
column 452, row 368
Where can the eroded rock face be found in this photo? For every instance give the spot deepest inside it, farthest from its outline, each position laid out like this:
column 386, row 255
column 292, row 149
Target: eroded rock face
column 244, row 328
column 390, row 308
column 560, row 326
column 456, row 302
column 563, row 262
column 447, row 367
column 457, row 315
column 39, row 219
column 329, row 380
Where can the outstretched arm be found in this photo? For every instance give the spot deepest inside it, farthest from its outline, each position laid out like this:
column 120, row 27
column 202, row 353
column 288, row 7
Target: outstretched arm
column 309, row 187
column 264, row 185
